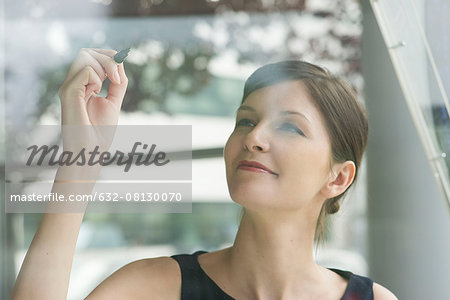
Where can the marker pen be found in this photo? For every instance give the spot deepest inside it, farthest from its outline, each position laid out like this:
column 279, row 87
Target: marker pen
column 121, row 55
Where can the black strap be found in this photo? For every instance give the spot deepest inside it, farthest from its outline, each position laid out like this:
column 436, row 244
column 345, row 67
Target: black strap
column 195, row 283
column 359, row 287
column 190, row 276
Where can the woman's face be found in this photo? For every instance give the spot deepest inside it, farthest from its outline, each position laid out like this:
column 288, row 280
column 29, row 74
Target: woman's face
column 279, row 128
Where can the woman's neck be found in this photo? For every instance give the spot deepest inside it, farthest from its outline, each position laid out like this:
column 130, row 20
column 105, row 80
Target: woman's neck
column 273, row 254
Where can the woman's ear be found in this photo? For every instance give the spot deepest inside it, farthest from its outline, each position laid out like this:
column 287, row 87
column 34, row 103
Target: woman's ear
column 341, row 176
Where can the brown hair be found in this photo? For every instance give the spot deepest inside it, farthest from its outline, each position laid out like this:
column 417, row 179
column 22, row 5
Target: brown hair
column 345, row 118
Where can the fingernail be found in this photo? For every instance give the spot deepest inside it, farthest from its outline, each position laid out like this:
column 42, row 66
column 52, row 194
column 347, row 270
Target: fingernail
column 117, row 77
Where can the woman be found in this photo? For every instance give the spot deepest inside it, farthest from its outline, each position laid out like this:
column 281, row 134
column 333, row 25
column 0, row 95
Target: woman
column 298, row 142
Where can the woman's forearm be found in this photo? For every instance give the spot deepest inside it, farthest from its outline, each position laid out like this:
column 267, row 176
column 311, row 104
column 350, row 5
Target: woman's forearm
column 45, row 271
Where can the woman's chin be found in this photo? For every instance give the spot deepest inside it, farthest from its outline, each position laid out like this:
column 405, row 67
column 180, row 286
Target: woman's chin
column 253, row 198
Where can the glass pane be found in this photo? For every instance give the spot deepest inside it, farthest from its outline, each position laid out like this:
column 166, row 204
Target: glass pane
column 187, row 66
column 407, row 39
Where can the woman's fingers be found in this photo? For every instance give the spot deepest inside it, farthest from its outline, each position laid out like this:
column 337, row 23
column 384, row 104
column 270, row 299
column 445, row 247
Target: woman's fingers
column 108, row 64
column 117, row 91
column 83, row 59
column 73, row 97
column 108, row 52
column 81, row 85
column 101, row 60
column 80, row 105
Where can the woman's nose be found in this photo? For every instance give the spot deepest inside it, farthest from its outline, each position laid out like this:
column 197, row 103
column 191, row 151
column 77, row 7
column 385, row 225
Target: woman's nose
column 257, row 139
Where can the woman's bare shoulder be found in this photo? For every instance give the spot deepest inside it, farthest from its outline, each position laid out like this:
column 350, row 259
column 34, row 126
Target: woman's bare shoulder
column 155, row 278
column 382, row 293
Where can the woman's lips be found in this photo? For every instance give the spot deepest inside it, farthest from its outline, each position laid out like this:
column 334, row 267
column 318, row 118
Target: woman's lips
column 254, row 166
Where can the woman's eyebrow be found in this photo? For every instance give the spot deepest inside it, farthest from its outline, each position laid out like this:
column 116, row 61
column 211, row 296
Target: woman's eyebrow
column 245, row 107
column 290, row 112
column 283, row 113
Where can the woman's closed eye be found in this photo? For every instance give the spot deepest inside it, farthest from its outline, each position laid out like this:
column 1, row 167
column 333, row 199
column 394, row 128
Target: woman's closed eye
column 284, row 126
column 291, row 128
column 245, row 122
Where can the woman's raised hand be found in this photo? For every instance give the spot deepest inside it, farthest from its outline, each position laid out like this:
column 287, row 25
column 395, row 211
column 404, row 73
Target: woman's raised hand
column 84, row 114
column 79, row 100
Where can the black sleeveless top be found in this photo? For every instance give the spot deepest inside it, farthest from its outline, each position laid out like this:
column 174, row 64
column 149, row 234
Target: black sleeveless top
column 196, row 284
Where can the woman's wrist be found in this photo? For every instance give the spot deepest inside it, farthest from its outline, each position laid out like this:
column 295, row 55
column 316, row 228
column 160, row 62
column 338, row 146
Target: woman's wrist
column 77, row 174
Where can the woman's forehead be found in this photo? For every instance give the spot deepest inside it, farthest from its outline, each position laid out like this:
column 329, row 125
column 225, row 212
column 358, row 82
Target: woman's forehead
column 289, row 96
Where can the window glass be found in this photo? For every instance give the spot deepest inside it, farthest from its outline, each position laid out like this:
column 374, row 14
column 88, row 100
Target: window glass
column 188, row 63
